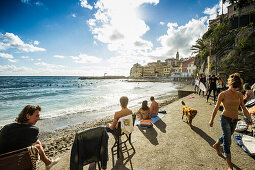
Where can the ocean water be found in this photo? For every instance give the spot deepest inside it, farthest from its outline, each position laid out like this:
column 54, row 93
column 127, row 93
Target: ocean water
column 68, row 101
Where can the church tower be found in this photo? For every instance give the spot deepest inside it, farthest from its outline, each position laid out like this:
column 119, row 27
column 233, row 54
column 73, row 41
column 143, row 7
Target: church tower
column 177, row 56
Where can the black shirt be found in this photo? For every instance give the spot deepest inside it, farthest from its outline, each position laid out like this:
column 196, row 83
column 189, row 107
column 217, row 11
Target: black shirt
column 17, row 136
column 212, row 81
column 203, row 80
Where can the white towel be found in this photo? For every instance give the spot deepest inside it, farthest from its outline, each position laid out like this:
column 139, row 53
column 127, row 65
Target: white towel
column 127, row 124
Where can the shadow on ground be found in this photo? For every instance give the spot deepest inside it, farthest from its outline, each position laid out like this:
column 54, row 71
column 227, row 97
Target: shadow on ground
column 121, row 163
column 151, row 134
column 161, row 125
column 210, row 141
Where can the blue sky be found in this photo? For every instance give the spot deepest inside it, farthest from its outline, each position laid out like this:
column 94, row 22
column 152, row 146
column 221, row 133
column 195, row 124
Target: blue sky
column 93, row 37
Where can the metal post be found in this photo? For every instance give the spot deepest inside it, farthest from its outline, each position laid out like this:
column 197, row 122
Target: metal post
column 216, row 66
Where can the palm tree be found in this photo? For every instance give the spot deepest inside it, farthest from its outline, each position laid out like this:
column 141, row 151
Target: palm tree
column 199, row 46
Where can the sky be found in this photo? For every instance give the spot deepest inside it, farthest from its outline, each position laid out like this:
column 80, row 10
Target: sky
column 97, row 37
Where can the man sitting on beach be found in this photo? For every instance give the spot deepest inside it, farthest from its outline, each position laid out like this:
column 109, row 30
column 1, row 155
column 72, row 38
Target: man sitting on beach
column 23, row 134
column 123, row 112
column 153, row 108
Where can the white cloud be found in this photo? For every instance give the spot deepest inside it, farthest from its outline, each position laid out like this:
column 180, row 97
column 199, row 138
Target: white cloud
column 216, row 10
column 161, row 23
column 5, row 55
column 9, row 40
column 84, row 3
column 85, row 59
column 118, row 25
column 180, row 38
column 12, row 60
column 38, row 3
column 36, row 42
column 13, row 70
column 59, row 56
column 74, row 15
column 24, row 57
column 50, row 66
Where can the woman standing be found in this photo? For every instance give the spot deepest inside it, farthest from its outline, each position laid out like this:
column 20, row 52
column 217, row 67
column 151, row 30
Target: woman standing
column 220, row 84
column 231, row 100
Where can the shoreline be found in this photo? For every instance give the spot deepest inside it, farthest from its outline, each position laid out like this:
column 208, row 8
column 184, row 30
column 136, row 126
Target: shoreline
column 58, row 141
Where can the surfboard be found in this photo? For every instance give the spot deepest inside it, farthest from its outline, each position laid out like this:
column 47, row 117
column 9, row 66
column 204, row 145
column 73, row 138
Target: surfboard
column 253, row 86
column 202, row 86
column 249, row 143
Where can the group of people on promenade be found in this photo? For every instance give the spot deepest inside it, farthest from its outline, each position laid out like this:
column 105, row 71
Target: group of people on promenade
column 211, row 83
column 216, row 85
column 24, row 133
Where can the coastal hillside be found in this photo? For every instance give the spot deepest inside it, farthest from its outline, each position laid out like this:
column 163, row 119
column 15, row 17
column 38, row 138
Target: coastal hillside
column 233, row 49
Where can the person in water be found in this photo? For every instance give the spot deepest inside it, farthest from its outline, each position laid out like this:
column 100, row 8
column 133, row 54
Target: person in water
column 231, row 100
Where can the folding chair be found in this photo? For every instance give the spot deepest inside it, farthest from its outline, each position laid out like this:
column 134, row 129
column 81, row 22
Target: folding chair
column 90, row 146
column 120, row 147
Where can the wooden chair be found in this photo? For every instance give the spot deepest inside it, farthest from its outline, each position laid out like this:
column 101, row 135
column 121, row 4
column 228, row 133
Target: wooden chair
column 16, row 160
column 119, row 147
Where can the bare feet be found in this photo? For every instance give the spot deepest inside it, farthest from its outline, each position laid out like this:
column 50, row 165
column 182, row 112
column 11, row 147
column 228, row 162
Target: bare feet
column 216, row 147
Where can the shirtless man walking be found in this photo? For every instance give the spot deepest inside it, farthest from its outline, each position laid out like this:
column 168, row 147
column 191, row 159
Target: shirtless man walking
column 153, row 108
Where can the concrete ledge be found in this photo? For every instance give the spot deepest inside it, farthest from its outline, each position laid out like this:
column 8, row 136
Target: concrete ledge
column 183, row 93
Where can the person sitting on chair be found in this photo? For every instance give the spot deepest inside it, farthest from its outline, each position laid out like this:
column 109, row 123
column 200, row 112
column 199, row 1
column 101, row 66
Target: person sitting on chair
column 23, row 134
column 153, row 108
column 144, row 111
column 123, row 112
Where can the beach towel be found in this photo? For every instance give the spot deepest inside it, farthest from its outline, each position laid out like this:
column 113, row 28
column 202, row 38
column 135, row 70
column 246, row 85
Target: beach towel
column 154, row 120
column 34, row 155
column 127, row 124
column 249, row 143
column 190, row 97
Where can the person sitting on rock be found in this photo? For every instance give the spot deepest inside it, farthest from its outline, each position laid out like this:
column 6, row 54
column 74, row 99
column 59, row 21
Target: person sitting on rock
column 24, row 133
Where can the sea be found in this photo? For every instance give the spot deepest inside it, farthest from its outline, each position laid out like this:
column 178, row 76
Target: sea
column 67, row 100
